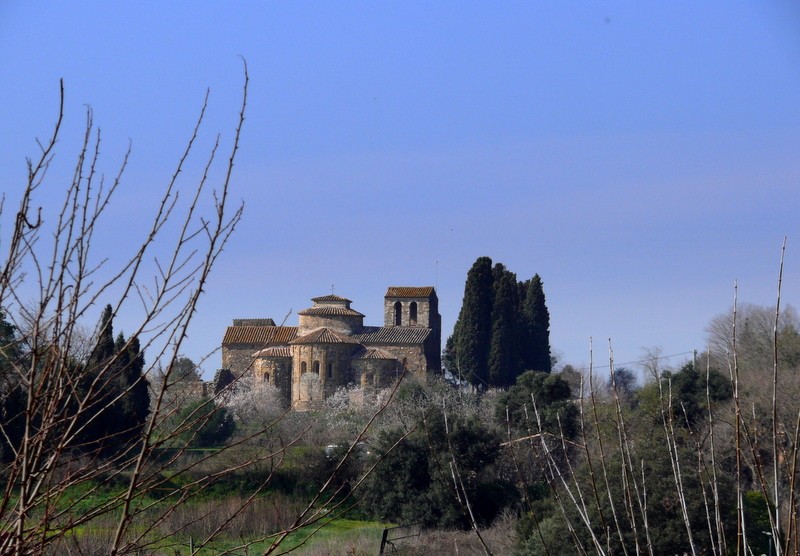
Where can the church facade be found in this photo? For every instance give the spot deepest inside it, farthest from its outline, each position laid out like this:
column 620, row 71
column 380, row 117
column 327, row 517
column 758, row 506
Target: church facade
column 331, row 347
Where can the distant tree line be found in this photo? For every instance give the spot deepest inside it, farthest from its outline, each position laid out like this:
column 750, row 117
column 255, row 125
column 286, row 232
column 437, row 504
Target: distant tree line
column 503, row 328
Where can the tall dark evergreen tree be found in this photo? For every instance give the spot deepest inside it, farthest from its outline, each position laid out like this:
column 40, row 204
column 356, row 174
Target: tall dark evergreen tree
column 12, row 394
column 116, row 391
column 94, row 389
column 536, row 356
column 449, row 356
column 504, row 357
column 473, row 330
column 134, row 406
column 105, row 346
column 503, row 328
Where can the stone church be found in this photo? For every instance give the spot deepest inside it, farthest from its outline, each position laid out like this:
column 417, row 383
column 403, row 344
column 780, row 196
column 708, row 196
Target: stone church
column 331, row 346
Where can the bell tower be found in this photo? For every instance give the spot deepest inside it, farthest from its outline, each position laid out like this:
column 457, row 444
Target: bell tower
column 412, row 306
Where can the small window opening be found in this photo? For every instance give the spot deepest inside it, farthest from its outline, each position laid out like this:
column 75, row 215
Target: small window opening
column 330, row 370
column 315, row 368
column 398, row 313
column 303, row 368
column 412, row 313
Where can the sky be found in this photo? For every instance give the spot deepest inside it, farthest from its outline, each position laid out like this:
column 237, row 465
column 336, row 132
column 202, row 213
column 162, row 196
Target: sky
column 642, row 158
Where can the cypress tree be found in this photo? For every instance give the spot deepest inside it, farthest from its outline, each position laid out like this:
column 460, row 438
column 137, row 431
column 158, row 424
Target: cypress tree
column 118, row 394
column 12, row 394
column 473, row 328
column 134, row 406
column 522, row 293
column 504, row 359
column 94, row 388
column 503, row 328
column 104, row 348
column 537, row 321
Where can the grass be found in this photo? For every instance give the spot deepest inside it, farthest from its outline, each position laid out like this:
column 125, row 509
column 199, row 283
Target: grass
column 340, row 536
column 193, row 521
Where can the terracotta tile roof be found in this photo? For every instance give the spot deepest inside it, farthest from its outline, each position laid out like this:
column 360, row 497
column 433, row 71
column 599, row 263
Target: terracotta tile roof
column 274, row 351
column 324, row 336
column 389, row 335
column 329, row 298
column 373, row 353
column 327, row 311
column 263, row 335
column 409, row 291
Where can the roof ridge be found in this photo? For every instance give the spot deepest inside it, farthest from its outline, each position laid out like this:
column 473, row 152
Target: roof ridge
column 410, row 291
column 324, row 335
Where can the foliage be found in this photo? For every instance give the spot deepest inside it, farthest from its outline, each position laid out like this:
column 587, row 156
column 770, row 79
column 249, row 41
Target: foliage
column 536, row 317
column 573, row 377
column 415, row 481
column 12, row 393
column 503, row 328
column 204, row 425
column 473, row 329
column 757, row 524
column 689, row 391
column 554, row 412
column 114, row 384
column 664, row 532
column 184, row 369
column 504, row 352
column 623, row 381
column 222, row 380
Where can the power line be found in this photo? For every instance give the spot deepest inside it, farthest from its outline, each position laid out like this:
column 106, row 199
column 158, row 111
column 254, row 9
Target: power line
column 637, row 362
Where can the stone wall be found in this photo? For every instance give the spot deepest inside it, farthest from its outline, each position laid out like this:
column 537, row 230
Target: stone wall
column 432, row 348
column 411, row 357
column 343, row 324
column 427, row 312
column 239, row 359
column 423, row 312
column 329, row 362
column 376, row 373
column 277, row 371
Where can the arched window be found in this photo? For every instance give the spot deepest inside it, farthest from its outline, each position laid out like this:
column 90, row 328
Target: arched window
column 266, row 378
column 398, row 313
column 330, row 370
column 303, row 368
column 412, row 313
column 315, row 368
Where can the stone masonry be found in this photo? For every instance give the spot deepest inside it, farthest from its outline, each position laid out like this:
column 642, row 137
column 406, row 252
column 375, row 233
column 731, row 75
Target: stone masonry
column 331, row 347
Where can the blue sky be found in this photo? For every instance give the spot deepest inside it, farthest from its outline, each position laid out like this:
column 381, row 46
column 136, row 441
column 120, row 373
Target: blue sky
column 640, row 157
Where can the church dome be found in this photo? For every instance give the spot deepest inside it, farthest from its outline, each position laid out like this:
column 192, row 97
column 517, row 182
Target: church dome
column 333, row 312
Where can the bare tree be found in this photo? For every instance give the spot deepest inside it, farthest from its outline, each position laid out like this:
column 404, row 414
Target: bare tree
column 139, row 486
column 49, row 472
